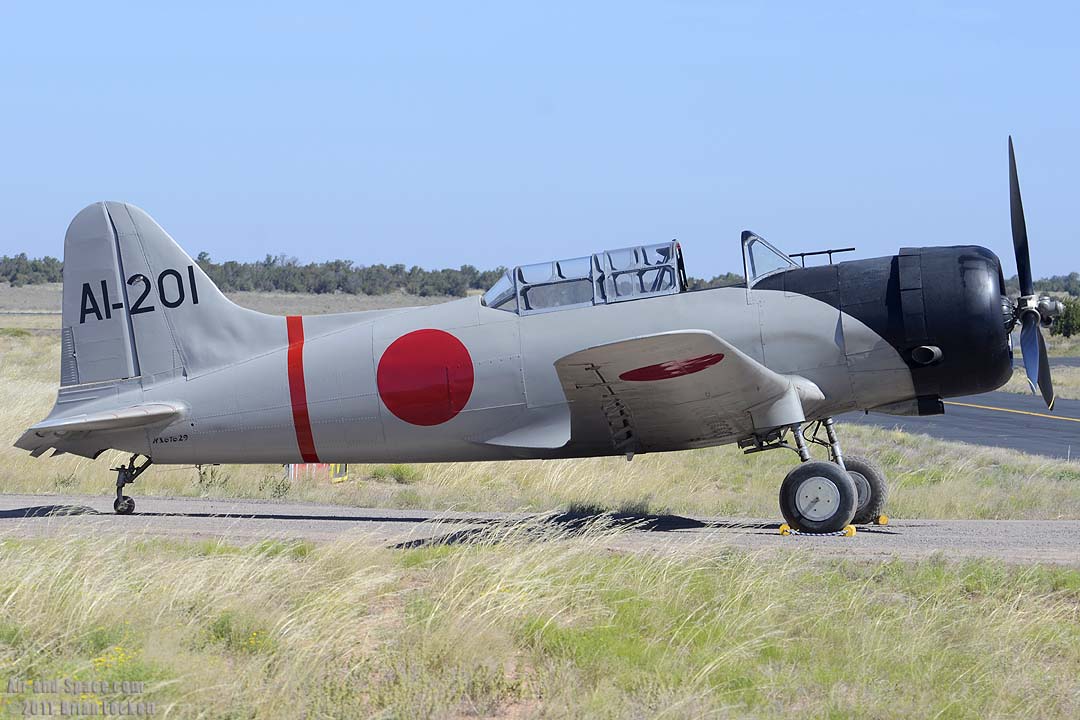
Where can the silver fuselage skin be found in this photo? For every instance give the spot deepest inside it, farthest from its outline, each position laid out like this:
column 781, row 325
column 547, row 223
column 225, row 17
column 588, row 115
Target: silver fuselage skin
column 242, row 413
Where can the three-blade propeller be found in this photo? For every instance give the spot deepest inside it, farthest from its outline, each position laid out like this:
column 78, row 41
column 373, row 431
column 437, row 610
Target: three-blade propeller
column 1031, row 311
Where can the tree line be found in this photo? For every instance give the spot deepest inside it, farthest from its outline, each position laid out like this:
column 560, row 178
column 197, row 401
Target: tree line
column 286, row 274
column 1055, row 284
column 21, row 270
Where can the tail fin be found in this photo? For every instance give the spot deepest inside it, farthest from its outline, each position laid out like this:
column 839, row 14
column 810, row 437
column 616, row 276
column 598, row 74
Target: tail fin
column 136, row 305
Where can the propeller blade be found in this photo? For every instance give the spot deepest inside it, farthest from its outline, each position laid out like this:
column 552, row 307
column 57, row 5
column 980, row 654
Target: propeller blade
column 1046, row 385
column 1019, row 228
column 1029, row 348
column 1036, row 361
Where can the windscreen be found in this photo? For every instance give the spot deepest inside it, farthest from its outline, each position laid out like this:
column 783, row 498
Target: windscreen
column 763, row 259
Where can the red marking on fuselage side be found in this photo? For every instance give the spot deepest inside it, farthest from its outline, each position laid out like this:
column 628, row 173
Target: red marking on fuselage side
column 425, row 377
column 305, row 441
column 671, row 368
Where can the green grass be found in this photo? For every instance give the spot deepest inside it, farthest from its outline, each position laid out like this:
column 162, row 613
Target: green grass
column 521, row 626
column 405, row 474
column 14, row 332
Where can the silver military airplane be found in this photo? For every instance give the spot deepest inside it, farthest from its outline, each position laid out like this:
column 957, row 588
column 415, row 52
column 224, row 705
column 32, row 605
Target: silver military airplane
column 607, row 354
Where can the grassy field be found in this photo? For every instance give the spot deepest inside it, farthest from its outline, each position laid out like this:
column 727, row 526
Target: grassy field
column 1057, row 346
column 532, row 621
column 30, row 298
column 1066, row 382
column 47, row 299
column 517, row 626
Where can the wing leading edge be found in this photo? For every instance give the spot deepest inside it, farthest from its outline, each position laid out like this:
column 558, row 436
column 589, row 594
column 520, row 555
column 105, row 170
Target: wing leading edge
column 678, row 390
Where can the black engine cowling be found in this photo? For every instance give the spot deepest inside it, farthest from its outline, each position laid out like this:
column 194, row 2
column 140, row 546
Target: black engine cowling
column 942, row 308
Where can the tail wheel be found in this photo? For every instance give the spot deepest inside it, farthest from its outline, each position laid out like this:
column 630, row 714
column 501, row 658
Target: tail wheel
column 870, row 483
column 818, row 497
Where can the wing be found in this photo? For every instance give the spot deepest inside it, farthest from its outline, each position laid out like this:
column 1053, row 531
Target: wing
column 74, row 432
column 677, row 390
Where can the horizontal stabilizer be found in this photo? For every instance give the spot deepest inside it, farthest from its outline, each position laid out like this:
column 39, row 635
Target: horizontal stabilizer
column 46, row 433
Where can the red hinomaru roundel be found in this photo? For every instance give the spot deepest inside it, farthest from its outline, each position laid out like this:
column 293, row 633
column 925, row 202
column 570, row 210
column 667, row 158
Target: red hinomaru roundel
column 425, row 377
column 671, row 368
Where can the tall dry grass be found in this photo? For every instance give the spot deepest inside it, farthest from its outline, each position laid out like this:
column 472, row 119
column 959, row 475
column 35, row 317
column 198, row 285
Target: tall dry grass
column 1060, row 346
column 533, row 622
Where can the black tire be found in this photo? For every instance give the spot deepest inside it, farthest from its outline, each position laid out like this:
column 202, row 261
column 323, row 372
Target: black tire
column 873, row 490
column 124, row 505
column 811, row 491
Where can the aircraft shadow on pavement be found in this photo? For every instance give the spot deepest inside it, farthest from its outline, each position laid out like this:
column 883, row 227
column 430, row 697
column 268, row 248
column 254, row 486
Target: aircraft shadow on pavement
column 48, row 511
column 571, row 521
column 538, row 527
column 66, row 510
column 568, row 524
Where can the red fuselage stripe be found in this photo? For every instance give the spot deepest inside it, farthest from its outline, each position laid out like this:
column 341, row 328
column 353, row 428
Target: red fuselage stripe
column 298, row 390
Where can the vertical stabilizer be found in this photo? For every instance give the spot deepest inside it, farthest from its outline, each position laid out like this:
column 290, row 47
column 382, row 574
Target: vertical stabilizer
column 136, row 305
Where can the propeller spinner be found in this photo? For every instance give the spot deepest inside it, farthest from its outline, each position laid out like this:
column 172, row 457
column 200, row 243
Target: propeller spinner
column 1032, row 312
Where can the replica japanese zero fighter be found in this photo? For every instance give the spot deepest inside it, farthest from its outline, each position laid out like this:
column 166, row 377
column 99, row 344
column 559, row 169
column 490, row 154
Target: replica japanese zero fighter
column 607, row 354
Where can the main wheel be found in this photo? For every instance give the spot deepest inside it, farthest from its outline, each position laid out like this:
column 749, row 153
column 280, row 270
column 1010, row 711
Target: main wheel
column 123, row 505
column 818, row 497
column 873, row 490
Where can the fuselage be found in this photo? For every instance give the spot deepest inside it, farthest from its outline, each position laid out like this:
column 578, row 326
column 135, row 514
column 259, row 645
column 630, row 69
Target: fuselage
column 436, row 383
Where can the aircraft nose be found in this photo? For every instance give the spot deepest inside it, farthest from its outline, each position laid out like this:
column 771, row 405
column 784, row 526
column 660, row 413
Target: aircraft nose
column 965, row 317
column 940, row 308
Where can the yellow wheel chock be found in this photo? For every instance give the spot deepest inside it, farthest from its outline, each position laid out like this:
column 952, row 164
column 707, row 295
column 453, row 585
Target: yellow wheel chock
column 848, row 531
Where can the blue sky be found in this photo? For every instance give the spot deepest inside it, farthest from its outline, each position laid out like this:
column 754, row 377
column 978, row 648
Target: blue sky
column 500, row 133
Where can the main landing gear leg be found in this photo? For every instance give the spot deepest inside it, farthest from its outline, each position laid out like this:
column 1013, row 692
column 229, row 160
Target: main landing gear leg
column 869, row 479
column 125, row 475
column 834, row 444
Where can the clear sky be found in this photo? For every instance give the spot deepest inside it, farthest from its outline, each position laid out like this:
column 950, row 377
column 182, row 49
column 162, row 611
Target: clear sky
column 500, row 133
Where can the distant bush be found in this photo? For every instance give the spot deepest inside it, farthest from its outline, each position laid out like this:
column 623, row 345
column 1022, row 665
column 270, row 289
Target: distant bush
column 404, row 474
column 285, row 274
column 723, row 280
column 1069, row 284
column 1069, row 323
column 21, row 270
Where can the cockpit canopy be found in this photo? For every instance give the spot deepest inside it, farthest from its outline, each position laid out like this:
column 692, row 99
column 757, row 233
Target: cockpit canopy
column 611, row 276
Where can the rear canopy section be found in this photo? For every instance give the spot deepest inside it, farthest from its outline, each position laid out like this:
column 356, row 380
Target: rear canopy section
column 606, row 277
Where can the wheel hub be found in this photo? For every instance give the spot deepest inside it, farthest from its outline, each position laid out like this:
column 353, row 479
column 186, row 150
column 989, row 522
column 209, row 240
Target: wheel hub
column 817, row 499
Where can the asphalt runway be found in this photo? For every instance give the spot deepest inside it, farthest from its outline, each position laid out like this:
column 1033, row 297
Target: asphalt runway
column 246, row 521
column 997, row 419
